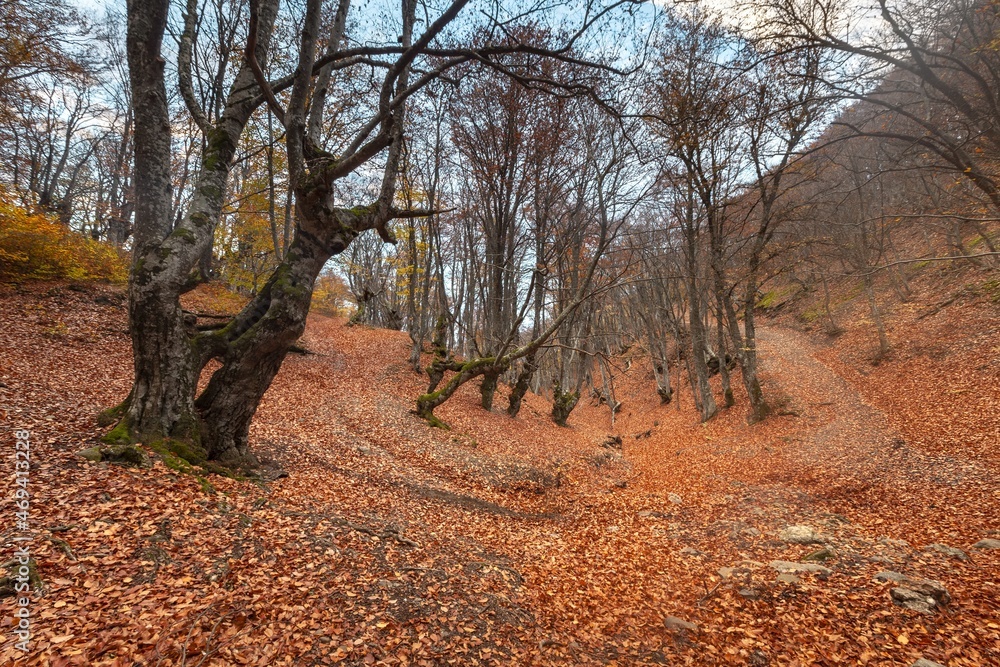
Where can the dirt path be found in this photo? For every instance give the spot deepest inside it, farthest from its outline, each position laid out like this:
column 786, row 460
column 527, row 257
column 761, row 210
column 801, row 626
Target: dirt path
column 858, row 462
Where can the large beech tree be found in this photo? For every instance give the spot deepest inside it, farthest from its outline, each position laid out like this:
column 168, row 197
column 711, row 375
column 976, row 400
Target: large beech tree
column 169, row 350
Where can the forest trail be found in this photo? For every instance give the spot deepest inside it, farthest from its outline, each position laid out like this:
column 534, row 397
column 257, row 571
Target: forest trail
column 859, row 462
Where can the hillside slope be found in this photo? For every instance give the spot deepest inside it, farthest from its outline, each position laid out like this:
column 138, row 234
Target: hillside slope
column 508, row 541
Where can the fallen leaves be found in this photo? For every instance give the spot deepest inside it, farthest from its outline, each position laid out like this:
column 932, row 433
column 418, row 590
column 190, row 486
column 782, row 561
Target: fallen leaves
column 500, row 543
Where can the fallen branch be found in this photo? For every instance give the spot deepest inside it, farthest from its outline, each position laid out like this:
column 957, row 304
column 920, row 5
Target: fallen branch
column 941, row 306
column 64, row 545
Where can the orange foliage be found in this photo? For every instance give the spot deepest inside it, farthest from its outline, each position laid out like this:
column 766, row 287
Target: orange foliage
column 214, row 298
column 331, row 296
column 34, row 246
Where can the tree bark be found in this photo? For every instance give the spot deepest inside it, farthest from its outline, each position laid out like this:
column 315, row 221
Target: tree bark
column 521, row 385
column 161, row 403
column 563, row 403
column 256, row 345
column 746, row 346
column 168, row 352
column 489, row 387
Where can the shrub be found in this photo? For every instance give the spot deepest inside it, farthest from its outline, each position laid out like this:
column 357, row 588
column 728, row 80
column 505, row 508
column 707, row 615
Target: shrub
column 34, row 246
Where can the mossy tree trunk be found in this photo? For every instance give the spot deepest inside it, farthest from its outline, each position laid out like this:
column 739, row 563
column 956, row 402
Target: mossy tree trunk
column 521, row 385
column 443, row 361
column 883, row 340
column 255, row 344
column 474, row 368
column 470, row 370
column 699, row 349
column 745, row 343
column 489, row 387
column 563, row 403
column 169, row 351
column 746, row 351
column 727, row 387
column 530, row 366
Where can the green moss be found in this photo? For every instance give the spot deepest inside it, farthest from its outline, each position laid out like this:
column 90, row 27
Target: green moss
column 113, row 414
column 978, row 241
column 187, row 428
column 436, row 422
column 222, row 471
column 118, row 435
column 184, row 234
column 206, row 486
column 424, row 401
column 185, row 444
column 361, row 211
column 128, row 455
column 285, row 282
column 991, row 289
column 92, row 454
column 768, row 299
column 856, row 290
column 811, row 314
column 218, row 145
column 175, row 463
column 10, row 576
column 125, row 454
column 201, row 219
column 778, row 296
column 189, row 452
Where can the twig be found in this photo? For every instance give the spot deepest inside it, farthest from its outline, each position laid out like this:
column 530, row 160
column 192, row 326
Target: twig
column 64, row 545
column 944, row 304
column 709, row 593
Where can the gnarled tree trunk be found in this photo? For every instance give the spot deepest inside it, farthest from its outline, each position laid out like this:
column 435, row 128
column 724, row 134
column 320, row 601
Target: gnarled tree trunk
column 168, row 353
column 256, row 342
column 563, row 403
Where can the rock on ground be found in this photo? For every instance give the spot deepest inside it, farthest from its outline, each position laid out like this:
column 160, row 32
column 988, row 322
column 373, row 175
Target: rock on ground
column 948, row 551
column 987, row 544
column 679, row 624
column 789, row 567
column 923, row 595
column 800, row 535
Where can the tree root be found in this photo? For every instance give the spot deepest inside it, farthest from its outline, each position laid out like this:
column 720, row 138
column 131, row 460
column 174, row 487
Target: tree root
column 382, row 534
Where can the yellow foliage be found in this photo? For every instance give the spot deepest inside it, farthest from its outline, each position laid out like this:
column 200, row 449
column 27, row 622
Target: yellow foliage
column 34, row 246
column 245, row 245
column 331, row 296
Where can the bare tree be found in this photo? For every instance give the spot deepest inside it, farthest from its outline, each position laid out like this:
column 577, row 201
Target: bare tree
column 169, row 353
column 930, row 70
column 610, row 194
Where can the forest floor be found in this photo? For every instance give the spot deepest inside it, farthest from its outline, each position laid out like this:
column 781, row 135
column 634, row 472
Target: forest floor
column 516, row 542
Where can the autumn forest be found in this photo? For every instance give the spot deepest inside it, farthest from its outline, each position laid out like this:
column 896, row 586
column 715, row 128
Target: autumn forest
column 500, row 332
